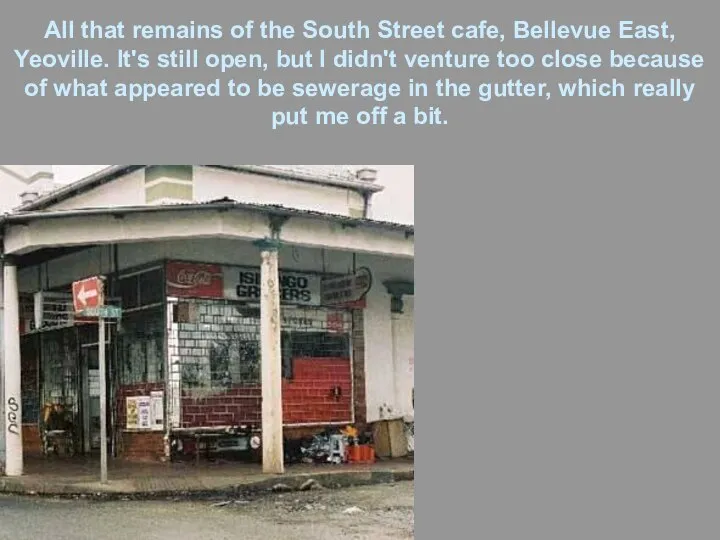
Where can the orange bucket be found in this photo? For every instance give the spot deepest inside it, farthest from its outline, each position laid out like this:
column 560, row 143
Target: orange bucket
column 354, row 454
column 365, row 454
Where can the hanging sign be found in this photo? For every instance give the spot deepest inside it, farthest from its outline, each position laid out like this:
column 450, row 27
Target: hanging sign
column 347, row 291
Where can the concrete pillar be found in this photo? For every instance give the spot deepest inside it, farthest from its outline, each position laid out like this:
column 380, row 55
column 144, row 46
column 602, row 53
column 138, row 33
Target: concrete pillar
column 11, row 369
column 401, row 373
column 2, row 380
column 399, row 382
column 271, row 359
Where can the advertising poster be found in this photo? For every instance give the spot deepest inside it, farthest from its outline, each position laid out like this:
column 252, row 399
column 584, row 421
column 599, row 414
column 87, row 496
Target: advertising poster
column 131, row 408
column 157, row 412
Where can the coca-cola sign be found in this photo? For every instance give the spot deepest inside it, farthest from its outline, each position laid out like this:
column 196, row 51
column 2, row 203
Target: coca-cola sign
column 194, row 280
column 188, row 278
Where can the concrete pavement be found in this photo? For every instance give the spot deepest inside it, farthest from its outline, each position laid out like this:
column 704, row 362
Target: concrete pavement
column 81, row 478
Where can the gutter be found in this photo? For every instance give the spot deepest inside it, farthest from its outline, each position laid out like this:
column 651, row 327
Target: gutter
column 356, row 185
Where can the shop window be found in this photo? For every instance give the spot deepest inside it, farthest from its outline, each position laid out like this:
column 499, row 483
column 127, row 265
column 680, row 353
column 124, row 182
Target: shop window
column 218, row 345
column 142, row 340
column 129, row 293
column 150, row 287
column 59, row 368
column 142, row 289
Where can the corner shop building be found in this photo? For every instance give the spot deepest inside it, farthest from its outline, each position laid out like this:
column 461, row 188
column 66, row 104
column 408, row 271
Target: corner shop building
column 187, row 276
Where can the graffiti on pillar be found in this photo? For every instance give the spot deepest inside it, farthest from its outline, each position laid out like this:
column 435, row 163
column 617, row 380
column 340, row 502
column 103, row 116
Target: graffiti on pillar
column 12, row 416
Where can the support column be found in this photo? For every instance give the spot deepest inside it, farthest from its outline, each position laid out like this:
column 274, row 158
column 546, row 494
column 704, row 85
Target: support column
column 2, row 380
column 11, row 371
column 271, row 358
column 396, row 310
column 397, row 289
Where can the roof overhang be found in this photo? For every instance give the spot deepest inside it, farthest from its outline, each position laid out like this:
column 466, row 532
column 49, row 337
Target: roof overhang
column 26, row 232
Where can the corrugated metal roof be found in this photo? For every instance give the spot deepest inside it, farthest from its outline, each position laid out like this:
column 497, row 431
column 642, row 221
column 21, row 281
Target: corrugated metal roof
column 330, row 172
column 339, row 175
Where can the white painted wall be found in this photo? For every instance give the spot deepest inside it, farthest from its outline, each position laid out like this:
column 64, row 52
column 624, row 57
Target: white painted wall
column 213, row 184
column 395, row 203
column 404, row 372
column 11, row 190
column 379, row 366
column 17, row 179
column 125, row 191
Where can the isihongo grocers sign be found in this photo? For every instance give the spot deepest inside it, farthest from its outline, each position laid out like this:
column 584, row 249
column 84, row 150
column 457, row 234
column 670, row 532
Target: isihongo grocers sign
column 192, row 280
column 244, row 284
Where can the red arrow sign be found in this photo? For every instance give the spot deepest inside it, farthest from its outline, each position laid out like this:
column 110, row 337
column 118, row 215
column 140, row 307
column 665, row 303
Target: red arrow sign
column 88, row 293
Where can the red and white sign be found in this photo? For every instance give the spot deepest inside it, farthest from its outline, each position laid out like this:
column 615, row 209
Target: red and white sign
column 335, row 321
column 190, row 280
column 88, row 293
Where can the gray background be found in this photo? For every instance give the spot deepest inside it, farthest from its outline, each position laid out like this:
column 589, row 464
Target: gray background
column 569, row 306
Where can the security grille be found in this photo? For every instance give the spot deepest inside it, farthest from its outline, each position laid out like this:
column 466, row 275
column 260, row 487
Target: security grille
column 214, row 349
column 60, row 383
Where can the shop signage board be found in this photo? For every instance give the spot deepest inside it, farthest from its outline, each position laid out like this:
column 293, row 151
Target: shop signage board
column 347, row 291
column 196, row 280
column 243, row 283
column 191, row 280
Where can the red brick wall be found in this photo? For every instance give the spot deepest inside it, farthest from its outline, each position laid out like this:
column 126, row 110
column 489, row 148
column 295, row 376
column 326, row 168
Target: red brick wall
column 236, row 405
column 138, row 446
column 306, row 398
column 32, row 443
column 141, row 446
